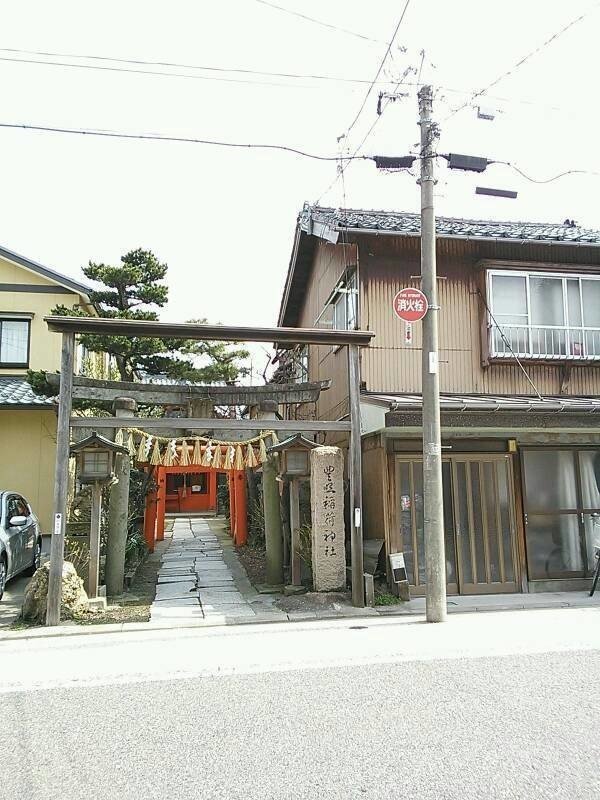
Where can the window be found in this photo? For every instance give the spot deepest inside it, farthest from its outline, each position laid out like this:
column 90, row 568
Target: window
column 301, row 365
column 539, row 315
column 341, row 309
column 14, row 342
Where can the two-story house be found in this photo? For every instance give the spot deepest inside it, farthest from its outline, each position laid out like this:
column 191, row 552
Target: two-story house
column 28, row 293
column 519, row 351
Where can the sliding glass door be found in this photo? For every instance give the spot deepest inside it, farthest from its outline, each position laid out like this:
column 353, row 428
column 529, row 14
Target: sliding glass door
column 562, row 511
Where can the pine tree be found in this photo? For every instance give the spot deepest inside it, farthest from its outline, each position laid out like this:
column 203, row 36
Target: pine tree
column 136, row 290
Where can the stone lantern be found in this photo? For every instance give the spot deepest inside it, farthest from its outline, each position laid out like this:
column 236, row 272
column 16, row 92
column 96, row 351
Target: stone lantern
column 95, row 460
column 294, row 455
column 294, row 466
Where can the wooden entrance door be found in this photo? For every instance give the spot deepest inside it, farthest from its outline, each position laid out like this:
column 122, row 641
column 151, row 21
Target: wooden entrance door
column 478, row 522
column 484, row 524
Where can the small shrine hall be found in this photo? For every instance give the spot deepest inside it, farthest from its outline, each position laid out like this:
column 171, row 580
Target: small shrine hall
column 185, row 474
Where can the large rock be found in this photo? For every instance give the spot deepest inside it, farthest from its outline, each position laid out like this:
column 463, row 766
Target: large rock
column 74, row 603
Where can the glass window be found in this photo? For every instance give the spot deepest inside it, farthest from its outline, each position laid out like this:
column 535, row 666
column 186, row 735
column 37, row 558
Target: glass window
column 509, row 294
column 550, row 483
column 574, row 302
column 545, row 316
column 14, row 341
column 546, row 298
column 553, row 546
column 590, row 292
column 589, row 470
column 341, row 310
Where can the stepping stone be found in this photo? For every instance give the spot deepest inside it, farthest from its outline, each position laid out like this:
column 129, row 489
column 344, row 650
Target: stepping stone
column 175, row 578
column 173, row 602
column 223, row 587
column 227, row 611
column 171, row 591
column 221, row 598
column 212, row 566
column 214, row 583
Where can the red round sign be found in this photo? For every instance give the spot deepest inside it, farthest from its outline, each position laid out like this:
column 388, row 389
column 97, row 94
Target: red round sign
column 410, row 305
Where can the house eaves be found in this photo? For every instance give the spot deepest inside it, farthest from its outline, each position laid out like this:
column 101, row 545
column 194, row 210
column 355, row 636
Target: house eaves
column 48, row 273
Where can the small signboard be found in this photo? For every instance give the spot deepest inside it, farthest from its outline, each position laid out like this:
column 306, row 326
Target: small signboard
column 398, row 568
column 410, row 305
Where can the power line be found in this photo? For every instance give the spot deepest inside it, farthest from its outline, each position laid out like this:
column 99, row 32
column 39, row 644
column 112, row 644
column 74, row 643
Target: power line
column 292, row 76
column 343, row 167
column 150, row 72
column 522, row 61
column 547, row 180
column 188, row 140
column 176, row 65
column 381, row 65
column 319, row 22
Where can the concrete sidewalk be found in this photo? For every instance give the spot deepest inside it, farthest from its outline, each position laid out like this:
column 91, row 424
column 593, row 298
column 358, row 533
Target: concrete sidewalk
column 500, row 602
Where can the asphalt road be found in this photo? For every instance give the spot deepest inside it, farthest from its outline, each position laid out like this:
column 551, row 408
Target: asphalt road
column 323, row 711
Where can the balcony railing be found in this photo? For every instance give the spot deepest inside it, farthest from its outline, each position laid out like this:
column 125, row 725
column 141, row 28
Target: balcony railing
column 550, row 342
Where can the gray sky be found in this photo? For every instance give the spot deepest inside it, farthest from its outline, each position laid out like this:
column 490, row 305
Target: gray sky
column 223, row 219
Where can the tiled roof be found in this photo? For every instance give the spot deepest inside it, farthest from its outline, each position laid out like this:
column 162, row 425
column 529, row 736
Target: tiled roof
column 408, row 224
column 17, row 392
column 487, row 403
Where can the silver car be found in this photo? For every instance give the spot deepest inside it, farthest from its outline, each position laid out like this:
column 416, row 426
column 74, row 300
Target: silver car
column 20, row 538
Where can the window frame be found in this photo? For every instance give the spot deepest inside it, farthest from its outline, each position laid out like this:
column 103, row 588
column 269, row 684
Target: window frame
column 567, row 330
column 340, row 293
column 14, row 317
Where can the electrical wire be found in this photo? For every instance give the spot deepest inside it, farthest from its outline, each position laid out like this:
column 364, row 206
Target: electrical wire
column 381, row 65
column 175, row 65
column 292, row 76
column 343, row 168
column 151, row 72
column 185, row 139
column 319, row 22
column 546, row 180
column 522, row 61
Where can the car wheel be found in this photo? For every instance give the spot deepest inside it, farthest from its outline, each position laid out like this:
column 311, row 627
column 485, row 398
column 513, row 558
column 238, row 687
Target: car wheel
column 37, row 559
column 3, row 572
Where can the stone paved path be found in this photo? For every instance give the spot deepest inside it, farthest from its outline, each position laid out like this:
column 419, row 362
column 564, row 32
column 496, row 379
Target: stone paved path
column 201, row 579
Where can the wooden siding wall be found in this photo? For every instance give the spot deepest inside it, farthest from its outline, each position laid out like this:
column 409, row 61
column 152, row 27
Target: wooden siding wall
column 375, row 489
column 390, row 365
column 327, row 363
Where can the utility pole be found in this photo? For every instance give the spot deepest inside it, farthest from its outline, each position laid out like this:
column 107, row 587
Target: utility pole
column 433, row 510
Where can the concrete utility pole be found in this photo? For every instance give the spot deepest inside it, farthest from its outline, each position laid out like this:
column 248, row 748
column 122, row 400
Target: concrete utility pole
column 433, row 501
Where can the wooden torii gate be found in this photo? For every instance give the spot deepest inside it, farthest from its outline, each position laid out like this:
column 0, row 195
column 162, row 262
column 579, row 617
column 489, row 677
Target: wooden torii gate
column 284, row 337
